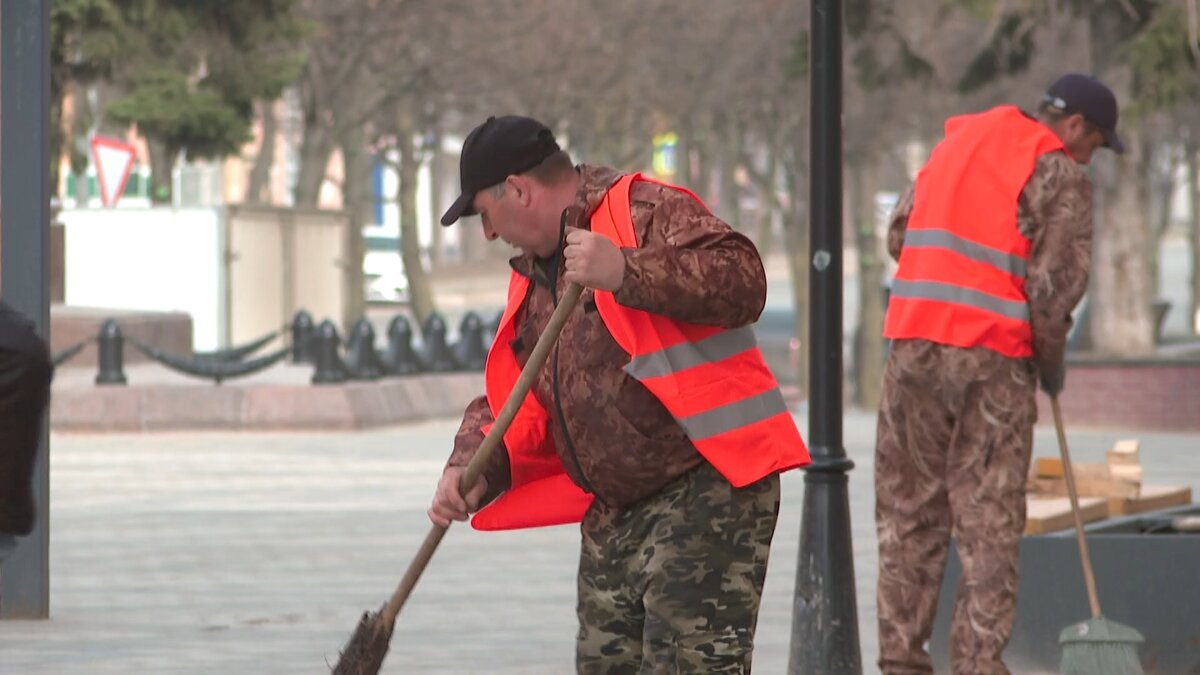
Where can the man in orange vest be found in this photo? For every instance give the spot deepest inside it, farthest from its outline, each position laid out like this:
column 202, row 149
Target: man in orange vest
column 994, row 244
column 655, row 423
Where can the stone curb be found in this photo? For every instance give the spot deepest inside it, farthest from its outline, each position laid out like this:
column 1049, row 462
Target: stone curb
column 263, row 407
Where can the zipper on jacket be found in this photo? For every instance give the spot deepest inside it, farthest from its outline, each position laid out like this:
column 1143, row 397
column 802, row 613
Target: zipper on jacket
column 562, row 418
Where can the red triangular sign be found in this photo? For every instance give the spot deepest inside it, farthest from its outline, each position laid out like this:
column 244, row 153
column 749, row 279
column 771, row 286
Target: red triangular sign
column 114, row 161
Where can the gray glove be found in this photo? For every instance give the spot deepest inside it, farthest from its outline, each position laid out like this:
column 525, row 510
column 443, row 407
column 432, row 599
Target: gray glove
column 1052, row 378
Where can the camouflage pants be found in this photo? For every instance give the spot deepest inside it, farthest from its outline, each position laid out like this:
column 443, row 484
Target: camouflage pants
column 672, row 584
column 953, row 449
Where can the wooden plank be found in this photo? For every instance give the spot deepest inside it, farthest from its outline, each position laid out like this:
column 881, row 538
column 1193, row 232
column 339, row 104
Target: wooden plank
column 1048, row 467
column 1128, row 473
column 1051, row 467
column 1152, row 498
column 1124, row 461
column 1087, row 487
column 1127, row 448
column 1051, row 514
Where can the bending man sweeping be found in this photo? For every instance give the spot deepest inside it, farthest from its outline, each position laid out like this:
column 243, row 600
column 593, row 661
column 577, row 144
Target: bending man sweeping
column 994, row 245
column 655, row 423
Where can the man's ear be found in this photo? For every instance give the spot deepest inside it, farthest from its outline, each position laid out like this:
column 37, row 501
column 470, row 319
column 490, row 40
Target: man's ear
column 520, row 187
column 1078, row 124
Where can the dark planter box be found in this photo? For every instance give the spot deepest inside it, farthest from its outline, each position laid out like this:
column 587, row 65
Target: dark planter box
column 1148, row 581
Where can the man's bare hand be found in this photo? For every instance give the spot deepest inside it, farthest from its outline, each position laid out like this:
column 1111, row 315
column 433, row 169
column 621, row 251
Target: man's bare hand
column 593, row 261
column 448, row 503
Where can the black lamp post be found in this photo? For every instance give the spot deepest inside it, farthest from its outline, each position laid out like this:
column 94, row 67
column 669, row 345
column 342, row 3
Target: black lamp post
column 24, row 269
column 824, row 614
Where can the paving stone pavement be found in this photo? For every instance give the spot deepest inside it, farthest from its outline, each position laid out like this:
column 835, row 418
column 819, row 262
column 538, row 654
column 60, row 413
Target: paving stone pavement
column 256, row 553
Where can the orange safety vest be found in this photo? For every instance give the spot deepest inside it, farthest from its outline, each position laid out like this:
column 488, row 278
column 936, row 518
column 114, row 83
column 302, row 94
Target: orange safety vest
column 713, row 380
column 961, row 276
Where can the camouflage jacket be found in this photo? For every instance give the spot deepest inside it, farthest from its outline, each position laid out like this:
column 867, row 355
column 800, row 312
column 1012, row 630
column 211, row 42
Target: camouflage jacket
column 1054, row 211
column 613, row 436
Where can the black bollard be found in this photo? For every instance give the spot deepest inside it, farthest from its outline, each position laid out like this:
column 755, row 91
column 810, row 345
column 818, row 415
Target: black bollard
column 111, row 348
column 330, row 369
column 400, row 358
column 361, row 358
column 302, row 337
column 471, row 351
column 438, row 357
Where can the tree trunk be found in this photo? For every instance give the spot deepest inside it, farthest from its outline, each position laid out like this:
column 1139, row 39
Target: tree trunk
column 1193, row 181
column 59, row 139
column 768, row 204
column 162, row 165
column 258, row 188
column 419, row 290
column 796, row 241
column 356, row 190
column 731, row 209
column 316, row 147
column 704, row 164
column 1119, row 294
column 683, row 157
column 81, row 189
column 1120, row 291
column 1162, row 188
column 868, row 342
column 437, row 252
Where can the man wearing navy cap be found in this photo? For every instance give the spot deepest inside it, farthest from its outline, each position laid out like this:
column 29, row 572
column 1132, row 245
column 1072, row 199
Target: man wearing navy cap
column 994, row 246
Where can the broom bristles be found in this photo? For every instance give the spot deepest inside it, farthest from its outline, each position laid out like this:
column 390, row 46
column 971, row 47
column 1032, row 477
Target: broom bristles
column 367, row 648
column 1100, row 647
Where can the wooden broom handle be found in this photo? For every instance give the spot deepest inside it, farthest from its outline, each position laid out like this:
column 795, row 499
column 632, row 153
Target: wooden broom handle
column 495, row 435
column 1089, row 577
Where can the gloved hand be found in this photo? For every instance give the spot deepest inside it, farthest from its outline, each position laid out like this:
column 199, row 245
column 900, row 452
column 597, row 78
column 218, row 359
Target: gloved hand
column 1052, row 377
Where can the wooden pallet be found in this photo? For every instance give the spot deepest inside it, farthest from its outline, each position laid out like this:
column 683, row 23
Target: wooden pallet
column 1051, row 514
column 1152, row 498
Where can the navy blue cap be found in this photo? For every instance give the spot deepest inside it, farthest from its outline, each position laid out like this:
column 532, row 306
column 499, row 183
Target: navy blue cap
column 498, row 148
column 1083, row 94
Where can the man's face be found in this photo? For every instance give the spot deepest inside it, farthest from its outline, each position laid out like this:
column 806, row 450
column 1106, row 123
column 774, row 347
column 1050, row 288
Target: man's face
column 510, row 216
column 1081, row 137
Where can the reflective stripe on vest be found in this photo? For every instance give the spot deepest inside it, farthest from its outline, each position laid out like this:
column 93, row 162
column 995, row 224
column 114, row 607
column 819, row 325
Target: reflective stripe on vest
column 678, row 358
column 934, row 290
column 935, row 238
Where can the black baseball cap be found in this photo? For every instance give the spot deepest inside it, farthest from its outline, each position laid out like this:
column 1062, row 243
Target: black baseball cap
column 498, row 148
column 1083, row 94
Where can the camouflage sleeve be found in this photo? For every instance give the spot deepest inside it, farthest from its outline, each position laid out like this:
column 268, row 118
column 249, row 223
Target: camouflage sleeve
column 690, row 266
column 898, row 223
column 1055, row 213
column 466, row 442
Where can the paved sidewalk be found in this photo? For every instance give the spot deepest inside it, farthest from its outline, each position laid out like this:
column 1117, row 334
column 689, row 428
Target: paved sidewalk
column 256, row 553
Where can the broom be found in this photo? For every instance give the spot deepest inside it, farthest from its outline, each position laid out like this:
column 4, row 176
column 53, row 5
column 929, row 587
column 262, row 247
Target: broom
column 368, row 646
column 1096, row 646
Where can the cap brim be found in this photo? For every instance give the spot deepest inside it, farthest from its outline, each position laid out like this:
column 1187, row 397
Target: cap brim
column 461, row 207
column 1113, row 141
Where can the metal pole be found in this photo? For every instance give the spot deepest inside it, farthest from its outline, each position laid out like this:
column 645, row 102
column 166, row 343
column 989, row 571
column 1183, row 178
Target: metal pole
column 24, row 249
column 824, row 615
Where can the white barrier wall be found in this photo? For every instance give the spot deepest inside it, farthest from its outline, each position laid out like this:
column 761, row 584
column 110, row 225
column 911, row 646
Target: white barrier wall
column 157, row 259
column 239, row 271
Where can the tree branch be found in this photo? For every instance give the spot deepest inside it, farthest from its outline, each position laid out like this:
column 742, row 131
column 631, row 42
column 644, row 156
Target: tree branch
column 1193, row 30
